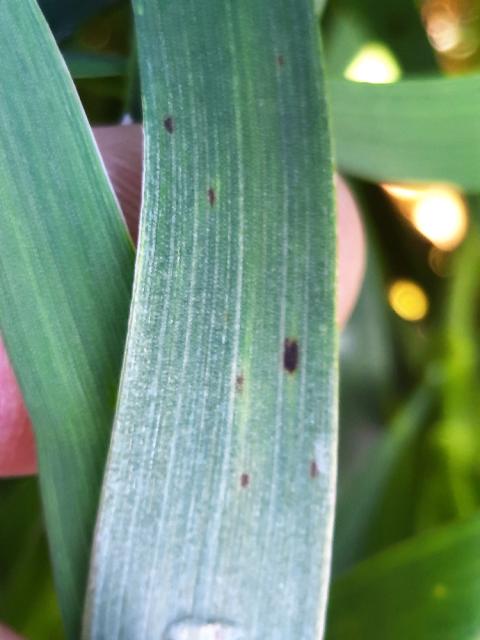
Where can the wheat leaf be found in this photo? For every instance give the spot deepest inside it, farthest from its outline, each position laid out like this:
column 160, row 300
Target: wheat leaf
column 217, row 508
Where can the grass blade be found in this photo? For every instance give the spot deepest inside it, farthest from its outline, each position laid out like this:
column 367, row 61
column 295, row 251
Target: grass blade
column 89, row 65
column 218, row 500
column 65, row 273
column 414, row 130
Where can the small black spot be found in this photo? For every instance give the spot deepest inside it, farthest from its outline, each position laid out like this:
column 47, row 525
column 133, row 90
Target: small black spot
column 168, row 124
column 212, row 196
column 280, row 60
column 313, row 469
column 290, row 355
column 239, row 382
column 244, row 480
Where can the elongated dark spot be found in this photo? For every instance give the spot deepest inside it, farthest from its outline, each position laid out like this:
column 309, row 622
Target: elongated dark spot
column 290, row 355
column 244, row 480
column 313, row 469
column 168, row 124
column 280, row 60
column 212, row 196
column 239, row 382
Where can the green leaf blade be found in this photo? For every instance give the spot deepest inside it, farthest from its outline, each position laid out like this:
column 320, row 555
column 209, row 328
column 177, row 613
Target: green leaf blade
column 218, row 499
column 414, row 130
column 65, row 274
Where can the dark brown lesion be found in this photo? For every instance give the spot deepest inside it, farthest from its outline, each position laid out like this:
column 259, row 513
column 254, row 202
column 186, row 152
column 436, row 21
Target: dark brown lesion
column 280, row 60
column 290, row 355
column 212, row 197
column 314, row 472
column 168, row 124
column 244, row 480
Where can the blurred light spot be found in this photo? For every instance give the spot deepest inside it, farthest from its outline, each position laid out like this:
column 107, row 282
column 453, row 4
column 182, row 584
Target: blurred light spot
column 408, row 300
column 374, row 63
column 437, row 211
column 402, row 192
column 440, row 591
column 440, row 215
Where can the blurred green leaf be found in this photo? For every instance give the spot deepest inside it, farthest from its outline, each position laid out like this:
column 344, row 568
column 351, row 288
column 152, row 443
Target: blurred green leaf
column 27, row 597
column 90, row 65
column 359, row 502
column 449, row 485
column 425, row 589
column 413, row 130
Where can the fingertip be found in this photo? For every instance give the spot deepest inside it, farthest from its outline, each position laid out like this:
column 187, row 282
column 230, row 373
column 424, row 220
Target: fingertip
column 17, row 444
column 8, row 634
column 351, row 252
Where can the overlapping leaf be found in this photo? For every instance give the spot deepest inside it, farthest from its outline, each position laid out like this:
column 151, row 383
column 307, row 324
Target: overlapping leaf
column 65, row 273
column 415, row 130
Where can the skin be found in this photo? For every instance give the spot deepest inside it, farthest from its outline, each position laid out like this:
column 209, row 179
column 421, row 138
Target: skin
column 121, row 149
column 6, row 634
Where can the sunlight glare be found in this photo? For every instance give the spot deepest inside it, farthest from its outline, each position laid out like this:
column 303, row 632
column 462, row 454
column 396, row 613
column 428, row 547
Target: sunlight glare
column 374, row 63
column 408, row 300
column 440, row 215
